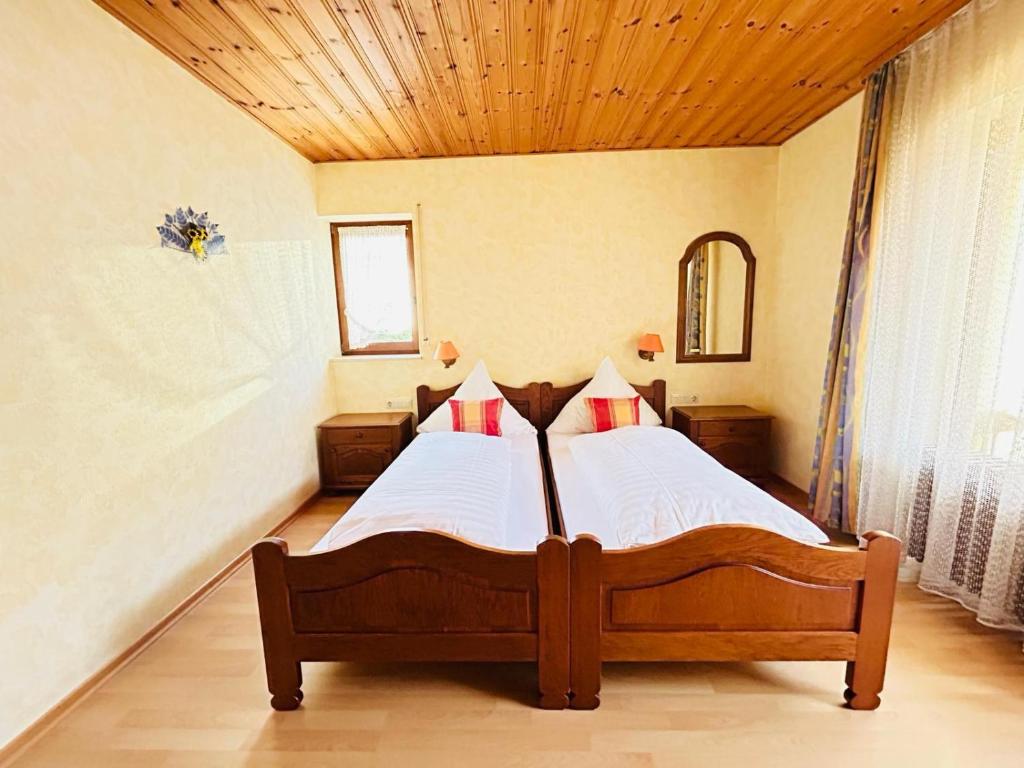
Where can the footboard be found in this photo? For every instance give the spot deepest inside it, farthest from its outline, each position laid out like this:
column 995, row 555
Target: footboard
column 731, row 593
column 413, row 596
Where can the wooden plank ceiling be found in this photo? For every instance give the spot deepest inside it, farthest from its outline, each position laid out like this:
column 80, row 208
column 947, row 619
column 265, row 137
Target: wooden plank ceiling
column 367, row 79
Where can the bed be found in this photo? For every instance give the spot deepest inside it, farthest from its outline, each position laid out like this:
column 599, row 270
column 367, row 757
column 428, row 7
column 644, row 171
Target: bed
column 720, row 592
column 382, row 586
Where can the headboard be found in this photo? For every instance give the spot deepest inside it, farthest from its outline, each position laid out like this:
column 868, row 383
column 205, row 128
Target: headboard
column 556, row 397
column 539, row 403
column 526, row 400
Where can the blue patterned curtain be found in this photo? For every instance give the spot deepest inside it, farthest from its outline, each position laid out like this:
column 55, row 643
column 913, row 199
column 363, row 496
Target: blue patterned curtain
column 833, row 492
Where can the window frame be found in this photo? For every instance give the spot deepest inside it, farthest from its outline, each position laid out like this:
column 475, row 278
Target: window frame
column 381, row 348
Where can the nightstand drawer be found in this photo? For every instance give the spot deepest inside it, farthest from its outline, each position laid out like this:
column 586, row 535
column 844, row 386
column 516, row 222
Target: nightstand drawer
column 715, row 443
column 733, row 428
column 359, row 436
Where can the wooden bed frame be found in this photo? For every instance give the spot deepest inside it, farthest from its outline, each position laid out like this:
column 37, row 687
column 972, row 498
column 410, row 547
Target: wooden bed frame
column 718, row 593
column 418, row 596
column 728, row 593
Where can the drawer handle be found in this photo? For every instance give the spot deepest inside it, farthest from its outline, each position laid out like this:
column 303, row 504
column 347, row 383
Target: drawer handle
column 359, row 434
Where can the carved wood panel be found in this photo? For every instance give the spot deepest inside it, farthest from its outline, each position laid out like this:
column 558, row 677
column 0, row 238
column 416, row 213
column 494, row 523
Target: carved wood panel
column 355, row 464
column 732, row 597
column 414, row 600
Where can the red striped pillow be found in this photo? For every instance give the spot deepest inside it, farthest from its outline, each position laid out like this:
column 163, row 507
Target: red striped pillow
column 480, row 416
column 612, row 412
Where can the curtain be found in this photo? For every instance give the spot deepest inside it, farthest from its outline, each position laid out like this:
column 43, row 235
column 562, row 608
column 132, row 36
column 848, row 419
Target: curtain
column 696, row 302
column 833, row 491
column 375, row 271
column 942, row 442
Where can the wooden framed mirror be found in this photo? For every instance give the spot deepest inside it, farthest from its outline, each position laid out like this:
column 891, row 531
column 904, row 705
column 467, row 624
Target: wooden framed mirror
column 716, row 300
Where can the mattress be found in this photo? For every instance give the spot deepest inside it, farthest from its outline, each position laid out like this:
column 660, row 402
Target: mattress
column 488, row 490
column 665, row 476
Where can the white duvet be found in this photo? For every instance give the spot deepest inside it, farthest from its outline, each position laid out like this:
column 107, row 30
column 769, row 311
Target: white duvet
column 652, row 484
column 454, row 482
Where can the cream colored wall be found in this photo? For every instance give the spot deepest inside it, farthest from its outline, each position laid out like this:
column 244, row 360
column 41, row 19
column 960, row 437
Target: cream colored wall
column 543, row 264
column 816, row 170
column 156, row 415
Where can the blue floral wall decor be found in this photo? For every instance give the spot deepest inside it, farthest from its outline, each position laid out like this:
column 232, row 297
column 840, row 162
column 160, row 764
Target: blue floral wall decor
column 191, row 232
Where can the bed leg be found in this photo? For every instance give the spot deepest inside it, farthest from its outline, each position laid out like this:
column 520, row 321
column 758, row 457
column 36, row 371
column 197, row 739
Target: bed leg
column 297, row 690
column 283, row 681
column 553, row 629
column 585, row 622
column 284, row 672
column 865, row 675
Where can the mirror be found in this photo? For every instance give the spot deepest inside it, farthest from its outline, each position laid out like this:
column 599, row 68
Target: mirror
column 716, row 300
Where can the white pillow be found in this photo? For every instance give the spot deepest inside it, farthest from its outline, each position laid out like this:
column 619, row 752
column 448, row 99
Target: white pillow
column 607, row 382
column 478, row 386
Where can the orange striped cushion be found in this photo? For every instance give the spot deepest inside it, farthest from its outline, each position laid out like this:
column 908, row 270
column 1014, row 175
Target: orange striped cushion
column 611, row 412
column 480, row 416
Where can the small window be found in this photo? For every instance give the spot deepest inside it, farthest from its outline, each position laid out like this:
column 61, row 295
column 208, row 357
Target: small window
column 376, row 282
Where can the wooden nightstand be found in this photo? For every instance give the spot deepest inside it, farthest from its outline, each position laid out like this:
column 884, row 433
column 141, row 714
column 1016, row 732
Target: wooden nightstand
column 354, row 448
column 737, row 436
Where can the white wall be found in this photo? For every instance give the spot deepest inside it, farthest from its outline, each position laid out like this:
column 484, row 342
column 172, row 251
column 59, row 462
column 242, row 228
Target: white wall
column 156, row 414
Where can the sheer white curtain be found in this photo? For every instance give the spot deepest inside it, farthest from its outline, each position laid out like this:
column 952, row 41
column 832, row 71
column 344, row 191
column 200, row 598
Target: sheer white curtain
column 378, row 297
column 943, row 434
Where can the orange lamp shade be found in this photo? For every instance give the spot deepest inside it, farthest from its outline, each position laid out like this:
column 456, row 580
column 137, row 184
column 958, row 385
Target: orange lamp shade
column 650, row 342
column 648, row 345
column 446, row 353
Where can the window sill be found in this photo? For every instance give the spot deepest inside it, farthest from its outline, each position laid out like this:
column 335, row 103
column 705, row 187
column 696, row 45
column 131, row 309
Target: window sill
column 368, row 358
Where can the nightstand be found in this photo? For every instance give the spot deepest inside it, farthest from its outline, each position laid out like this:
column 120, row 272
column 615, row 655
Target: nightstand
column 737, row 436
column 354, row 448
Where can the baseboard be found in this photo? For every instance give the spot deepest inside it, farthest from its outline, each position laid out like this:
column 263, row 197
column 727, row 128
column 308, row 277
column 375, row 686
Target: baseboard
column 52, row 716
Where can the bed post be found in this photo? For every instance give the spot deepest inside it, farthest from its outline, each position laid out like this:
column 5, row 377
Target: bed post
column 553, row 622
column 659, row 399
column 866, row 673
column 284, row 673
column 585, row 622
column 422, row 403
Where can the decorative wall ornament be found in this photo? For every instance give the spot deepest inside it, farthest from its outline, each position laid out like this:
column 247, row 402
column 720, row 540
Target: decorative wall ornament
column 191, row 232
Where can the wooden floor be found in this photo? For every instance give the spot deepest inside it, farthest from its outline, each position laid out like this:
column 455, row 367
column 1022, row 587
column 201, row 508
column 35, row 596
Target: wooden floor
column 954, row 697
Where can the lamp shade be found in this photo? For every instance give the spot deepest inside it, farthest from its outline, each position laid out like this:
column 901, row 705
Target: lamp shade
column 650, row 342
column 446, row 351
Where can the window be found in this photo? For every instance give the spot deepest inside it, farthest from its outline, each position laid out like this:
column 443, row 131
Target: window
column 376, row 284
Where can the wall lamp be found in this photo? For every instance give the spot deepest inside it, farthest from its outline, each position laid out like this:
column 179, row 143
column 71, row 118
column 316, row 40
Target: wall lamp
column 446, row 353
column 648, row 345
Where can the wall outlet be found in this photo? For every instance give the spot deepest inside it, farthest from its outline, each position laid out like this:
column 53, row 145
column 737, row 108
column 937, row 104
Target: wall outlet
column 685, row 398
column 398, row 404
